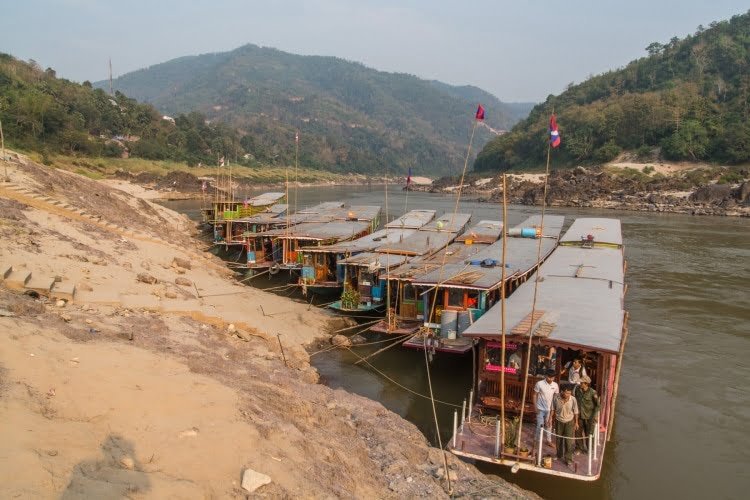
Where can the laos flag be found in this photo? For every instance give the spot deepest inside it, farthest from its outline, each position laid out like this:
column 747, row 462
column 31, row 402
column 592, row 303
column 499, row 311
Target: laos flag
column 554, row 134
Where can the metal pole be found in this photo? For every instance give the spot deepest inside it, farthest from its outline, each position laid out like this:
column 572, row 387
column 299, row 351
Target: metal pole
column 463, row 416
column 591, row 439
column 455, row 426
column 539, row 454
column 497, row 439
column 471, row 405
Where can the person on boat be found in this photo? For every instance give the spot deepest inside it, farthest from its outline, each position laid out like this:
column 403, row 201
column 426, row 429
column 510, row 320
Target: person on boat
column 565, row 408
column 575, row 371
column 588, row 407
column 514, row 360
column 544, row 393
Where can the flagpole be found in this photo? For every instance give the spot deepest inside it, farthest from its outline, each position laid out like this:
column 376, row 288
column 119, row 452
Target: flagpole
column 408, row 186
column 502, row 310
column 296, row 161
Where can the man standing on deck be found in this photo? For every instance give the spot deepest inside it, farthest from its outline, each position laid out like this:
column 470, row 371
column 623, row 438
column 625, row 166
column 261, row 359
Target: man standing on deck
column 588, row 406
column 544, row 392
column 565, row 407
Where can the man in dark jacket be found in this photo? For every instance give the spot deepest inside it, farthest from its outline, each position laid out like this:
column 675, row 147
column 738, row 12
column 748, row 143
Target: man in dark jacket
column 588, row 407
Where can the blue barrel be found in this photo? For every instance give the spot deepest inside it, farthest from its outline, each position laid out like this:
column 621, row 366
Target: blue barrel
column 464, row 321
column 528, row 232
column 448, row 324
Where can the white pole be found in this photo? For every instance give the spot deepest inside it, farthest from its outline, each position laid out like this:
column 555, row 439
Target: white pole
column 463, row 416
column 455, row 426
column 596, row 440
column 471, row 404
column 541, row 440
column 591, row 440
column 497, row 438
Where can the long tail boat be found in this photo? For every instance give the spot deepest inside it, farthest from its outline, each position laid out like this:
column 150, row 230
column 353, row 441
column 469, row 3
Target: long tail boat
column 261, row 252
column 462, row 291
column 228, row 215
column 321, row 272
column 578, row 312
column 346, row 224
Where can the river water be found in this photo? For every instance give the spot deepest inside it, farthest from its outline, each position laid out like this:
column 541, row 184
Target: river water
column 681, row 429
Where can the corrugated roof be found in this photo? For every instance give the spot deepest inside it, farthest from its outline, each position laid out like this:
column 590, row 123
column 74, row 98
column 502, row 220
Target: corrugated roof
column 275, row 213
column 608, row 231
column 448, row 223
column 486, row 231
column 414, row 219
column 338, row 230
column 323, row 212
column 365, row 243
column 419, row 243
column 581, row 296
column 520, row 257
column 358, row 212
column 376, row 260
column 265, row 199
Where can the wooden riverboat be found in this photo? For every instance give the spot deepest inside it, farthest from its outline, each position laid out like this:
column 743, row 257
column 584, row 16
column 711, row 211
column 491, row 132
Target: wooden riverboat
column 457, row 294
column 370, row 268
column 578, row 312
column 347, row 224
column 321, row 271
column 224, row 213
column 261, row 254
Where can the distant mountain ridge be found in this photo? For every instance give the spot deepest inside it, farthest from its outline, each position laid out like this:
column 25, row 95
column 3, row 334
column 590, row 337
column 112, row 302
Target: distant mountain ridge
column 688, row 100
column 351, row 118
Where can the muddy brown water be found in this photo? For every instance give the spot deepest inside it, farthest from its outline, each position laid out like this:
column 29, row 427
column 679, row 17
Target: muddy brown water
column 682, row 428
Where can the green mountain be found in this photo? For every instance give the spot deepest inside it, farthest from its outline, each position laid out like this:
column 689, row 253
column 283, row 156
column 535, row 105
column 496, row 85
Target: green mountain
column 688, row 99
column 351, row 118
column 41, row 112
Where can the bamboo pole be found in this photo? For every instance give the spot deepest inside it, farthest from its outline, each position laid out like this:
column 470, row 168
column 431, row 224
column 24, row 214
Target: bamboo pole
column 502, row 309
column 296, row 165
column 2, row 145
column 533, row 304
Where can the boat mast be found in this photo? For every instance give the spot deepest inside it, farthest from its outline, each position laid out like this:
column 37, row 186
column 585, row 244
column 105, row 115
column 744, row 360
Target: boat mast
column 296, row 164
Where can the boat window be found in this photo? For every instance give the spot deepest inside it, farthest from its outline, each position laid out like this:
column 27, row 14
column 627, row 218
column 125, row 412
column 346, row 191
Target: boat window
column 455, row 297
column 409, row 292
column 513, row 357
column 543, row 358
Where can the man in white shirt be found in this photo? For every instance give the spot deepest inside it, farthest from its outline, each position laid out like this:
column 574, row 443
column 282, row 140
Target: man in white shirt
column 544, row 392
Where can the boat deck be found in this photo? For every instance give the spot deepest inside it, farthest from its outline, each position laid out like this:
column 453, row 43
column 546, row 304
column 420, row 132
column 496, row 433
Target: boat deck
column 460, row 345
column 477, row 441
column 401, row 328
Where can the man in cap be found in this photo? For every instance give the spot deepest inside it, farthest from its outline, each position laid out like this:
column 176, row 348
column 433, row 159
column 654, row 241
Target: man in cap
column 588, row 407
column 565, row 407
column 544, row 392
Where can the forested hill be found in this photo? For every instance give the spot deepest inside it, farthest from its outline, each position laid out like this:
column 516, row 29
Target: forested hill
column 688, row 99
column 50, row 115
column 351, row 118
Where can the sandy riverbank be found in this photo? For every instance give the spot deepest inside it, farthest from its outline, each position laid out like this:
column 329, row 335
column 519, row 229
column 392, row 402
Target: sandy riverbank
column 137, row 386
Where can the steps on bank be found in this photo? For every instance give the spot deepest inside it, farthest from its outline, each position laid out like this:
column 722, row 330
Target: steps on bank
column 40, row 284
column 17, row 279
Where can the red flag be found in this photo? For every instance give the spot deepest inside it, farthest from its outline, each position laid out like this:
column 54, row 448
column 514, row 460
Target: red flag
column 480, row 113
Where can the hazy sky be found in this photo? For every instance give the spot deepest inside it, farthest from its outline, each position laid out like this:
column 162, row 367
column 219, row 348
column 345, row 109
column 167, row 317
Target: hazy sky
column 520, row 50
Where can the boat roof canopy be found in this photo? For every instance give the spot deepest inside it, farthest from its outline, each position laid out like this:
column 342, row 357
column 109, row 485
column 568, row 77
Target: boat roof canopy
column 579, row 302
column 413, row 219
column 450, row 223
column 605, row 231
column 265, row 199
column 486, row 231
column 520, row 257
column 320, row 231
column 365, row 243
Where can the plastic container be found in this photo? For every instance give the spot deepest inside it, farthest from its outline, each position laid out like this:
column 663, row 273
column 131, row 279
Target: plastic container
column 448, row 324
column 529, row 232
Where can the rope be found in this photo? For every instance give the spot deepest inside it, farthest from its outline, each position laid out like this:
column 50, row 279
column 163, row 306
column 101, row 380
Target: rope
column 332, row 346
column 402, row 386
column 397, row 342
column 434, row 416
